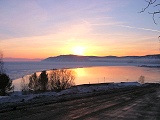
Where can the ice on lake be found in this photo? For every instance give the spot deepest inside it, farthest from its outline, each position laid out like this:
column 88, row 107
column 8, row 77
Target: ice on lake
column 86, row 72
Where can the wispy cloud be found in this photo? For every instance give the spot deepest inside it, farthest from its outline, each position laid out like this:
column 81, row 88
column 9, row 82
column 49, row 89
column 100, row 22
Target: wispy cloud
column 105, row 24
column 103, row 21
column 131, row 27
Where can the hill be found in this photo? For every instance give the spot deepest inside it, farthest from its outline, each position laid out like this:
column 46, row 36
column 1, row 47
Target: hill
column 76, row 58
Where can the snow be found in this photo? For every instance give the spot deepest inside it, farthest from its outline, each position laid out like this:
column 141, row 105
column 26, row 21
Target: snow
column 17, row 96
column 18, row 69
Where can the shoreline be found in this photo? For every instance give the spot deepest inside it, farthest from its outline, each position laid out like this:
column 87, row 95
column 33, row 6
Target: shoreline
column 74, row 65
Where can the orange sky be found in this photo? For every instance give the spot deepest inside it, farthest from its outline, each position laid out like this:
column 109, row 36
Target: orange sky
column 39, row 29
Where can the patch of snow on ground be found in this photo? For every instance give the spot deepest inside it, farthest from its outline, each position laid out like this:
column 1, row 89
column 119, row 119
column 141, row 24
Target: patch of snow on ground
column 80, row 89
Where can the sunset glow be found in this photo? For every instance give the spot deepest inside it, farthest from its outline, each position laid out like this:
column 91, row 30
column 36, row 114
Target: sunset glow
column 78, row 50
column 80, row 72
column 40, row 29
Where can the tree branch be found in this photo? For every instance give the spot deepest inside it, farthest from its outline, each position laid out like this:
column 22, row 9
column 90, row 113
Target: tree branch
column 153, row 14
column 151, row 3
column 156, row 5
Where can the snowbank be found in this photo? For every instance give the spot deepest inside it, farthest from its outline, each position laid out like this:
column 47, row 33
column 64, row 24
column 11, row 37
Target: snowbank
column 17, row 97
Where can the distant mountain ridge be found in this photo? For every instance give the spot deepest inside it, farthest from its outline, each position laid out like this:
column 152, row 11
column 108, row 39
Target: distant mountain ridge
column 76, row 58
column 68, row 58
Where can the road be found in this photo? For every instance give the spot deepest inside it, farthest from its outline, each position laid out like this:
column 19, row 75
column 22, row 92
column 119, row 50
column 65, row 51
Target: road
column 142, row 103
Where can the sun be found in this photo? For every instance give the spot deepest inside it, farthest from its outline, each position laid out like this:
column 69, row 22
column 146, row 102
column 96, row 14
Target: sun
column 78, row 50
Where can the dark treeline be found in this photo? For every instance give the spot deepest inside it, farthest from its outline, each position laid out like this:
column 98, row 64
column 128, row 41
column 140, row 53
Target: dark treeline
column 55, row 80
column 5, row 82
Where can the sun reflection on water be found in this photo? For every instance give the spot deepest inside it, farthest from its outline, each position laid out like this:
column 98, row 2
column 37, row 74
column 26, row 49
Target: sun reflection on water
column 80, row 72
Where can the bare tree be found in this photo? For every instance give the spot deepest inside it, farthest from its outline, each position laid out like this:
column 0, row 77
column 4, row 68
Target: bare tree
column 155, row 11
column 61, row 79
column 34, row 83
column 1, row 63
column 141, row 79
column 57, row 80
column 155, row 8
column 24, row 86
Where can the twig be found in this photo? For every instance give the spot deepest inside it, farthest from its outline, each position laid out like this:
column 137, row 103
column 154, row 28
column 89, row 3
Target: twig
column 150, row 2
column 153, row 14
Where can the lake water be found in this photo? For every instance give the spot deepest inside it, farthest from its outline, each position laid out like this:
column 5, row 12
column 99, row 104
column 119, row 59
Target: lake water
column 19, row 69
column 116, row 74
column 105, row 74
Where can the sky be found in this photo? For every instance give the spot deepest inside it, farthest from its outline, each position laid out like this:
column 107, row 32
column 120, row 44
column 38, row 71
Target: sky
column 43, row 28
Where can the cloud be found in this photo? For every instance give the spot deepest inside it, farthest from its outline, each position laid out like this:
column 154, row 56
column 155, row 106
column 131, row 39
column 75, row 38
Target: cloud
column 146, row 29
column 33, row 18
column 105, row 24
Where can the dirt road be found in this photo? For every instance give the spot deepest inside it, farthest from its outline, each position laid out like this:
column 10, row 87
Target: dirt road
column 126, row 104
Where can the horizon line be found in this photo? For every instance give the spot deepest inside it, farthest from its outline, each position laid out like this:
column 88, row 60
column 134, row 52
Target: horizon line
column 13, row 59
